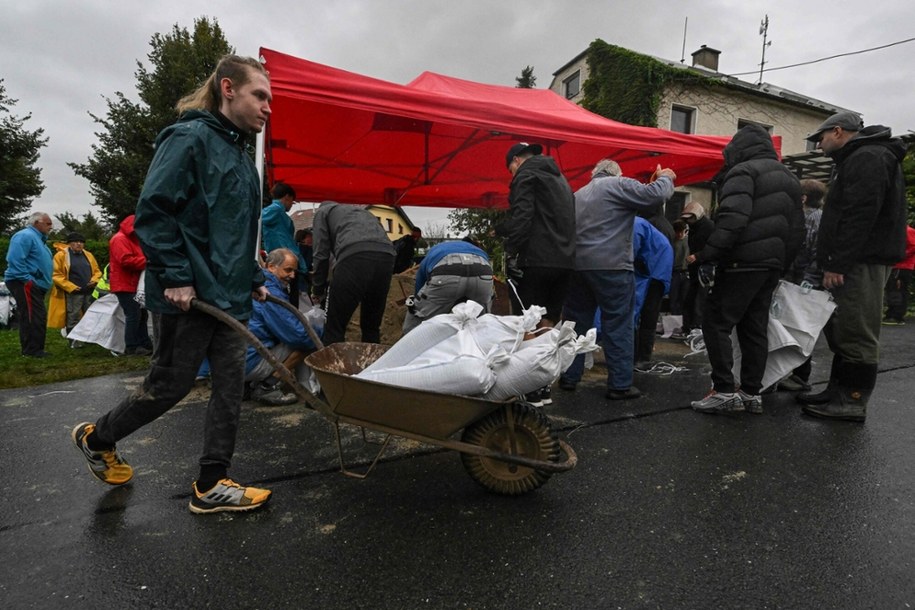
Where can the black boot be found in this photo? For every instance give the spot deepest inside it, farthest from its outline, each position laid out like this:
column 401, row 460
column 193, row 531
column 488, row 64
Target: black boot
column 854, row 390
column 828, row 393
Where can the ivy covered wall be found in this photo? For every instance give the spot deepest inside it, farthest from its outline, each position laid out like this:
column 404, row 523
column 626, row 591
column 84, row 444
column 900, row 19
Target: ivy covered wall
column 627, row 86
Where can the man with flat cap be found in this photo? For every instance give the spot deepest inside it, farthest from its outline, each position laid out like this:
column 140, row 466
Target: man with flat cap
column 539, row 234
column 75, row 275
column 862, row 235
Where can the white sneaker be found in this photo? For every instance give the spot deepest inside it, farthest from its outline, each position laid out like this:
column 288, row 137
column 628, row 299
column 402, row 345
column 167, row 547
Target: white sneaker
column 752, row 403
column 718, row 402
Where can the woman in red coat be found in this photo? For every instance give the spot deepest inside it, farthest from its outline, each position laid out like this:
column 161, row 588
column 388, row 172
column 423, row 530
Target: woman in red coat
column 127, row 262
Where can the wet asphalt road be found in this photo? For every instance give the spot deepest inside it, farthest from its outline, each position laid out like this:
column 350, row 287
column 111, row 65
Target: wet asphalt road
column 666, row 509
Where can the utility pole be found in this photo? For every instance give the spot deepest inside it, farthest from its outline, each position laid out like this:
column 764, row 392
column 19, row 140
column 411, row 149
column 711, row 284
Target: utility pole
column 764, row 31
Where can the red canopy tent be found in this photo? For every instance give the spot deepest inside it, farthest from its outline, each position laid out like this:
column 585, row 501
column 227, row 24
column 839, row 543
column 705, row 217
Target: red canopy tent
column 441, row 141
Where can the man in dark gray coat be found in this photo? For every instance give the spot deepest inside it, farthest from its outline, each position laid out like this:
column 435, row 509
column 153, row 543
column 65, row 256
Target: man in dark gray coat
column 363, row 266
column 539, row 236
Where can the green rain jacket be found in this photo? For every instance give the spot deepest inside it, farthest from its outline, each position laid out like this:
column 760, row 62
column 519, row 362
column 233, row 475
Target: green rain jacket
column 197, row 216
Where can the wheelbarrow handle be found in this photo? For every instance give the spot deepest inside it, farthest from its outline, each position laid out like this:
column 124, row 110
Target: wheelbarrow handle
column 241, row 329
column 313, row 335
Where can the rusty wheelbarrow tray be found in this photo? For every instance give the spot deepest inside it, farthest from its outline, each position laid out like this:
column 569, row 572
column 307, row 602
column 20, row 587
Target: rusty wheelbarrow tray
column 508, row 447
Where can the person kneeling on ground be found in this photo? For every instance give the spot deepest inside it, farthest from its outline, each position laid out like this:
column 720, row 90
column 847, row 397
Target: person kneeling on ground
column 279, row 330
column 451, row 272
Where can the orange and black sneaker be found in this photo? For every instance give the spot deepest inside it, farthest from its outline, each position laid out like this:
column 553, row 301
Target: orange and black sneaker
column 106, row 466
column 227, row 495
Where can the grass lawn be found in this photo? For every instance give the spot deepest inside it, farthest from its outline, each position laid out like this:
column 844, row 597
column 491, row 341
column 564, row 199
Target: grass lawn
column 17, row 371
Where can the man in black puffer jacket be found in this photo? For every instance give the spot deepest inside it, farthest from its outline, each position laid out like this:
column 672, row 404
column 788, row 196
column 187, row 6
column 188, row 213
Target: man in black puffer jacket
column 862, row 235
column 759, row 227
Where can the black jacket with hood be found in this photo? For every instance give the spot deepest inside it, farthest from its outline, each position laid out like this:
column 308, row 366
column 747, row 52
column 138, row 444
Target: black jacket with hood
column 864, row 218
column 540, row 228
column 760, row 220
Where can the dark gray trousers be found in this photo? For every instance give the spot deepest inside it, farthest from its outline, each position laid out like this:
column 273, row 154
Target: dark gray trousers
column 184, row 340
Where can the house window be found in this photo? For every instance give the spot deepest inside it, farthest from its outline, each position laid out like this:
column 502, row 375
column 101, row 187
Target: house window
column 681, row 119
column 741, row 123
column 572, row 85
column 390, row 225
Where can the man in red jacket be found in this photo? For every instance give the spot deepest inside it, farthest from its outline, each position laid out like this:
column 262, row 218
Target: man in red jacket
column 126, row 265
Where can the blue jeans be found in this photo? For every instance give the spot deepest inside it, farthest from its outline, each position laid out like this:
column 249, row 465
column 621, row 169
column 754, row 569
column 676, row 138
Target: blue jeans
column 613, row 294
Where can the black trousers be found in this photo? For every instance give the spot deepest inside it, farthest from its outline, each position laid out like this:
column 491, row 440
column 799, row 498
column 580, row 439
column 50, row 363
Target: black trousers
column 648, row 321
column 897, row 294
column 360, row 280
column 739, row 299
column 693, row 302
column 32, row 315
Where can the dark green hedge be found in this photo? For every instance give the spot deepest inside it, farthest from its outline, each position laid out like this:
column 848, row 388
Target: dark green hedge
column 99, row 249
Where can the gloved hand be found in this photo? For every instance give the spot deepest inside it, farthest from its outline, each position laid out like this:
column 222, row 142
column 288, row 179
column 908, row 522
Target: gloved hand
column 512, row 270
column 707, row 275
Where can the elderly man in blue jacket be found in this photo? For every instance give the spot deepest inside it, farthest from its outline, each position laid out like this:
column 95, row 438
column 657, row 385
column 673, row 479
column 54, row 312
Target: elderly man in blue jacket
column 28, row 276
column 279, row 329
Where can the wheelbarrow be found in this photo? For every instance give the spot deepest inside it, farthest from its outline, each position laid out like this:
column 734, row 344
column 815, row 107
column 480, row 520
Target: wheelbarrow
column 506, row 446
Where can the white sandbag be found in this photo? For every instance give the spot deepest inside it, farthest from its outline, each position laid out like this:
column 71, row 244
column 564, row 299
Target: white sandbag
column 140, row 295
column 539, row 361
column 426, row 335
column 671, row 323
column 465, row 374
column 797, row 315
column 5, row 307
column 103, row 323
column 506, row 332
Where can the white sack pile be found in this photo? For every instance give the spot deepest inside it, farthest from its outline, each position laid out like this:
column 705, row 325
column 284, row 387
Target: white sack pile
column 460, row 353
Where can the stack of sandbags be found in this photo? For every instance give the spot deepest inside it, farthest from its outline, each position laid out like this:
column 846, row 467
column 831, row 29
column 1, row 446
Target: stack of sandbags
column 461, row 353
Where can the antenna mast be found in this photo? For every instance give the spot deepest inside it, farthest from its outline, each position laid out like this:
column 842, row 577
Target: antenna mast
column 764, row 31
column 683, row 52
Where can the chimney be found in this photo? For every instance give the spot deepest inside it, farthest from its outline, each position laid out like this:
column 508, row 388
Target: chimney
column 706, row 57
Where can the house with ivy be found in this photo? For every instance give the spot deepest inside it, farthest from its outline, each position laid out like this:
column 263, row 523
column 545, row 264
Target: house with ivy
column 639, row 89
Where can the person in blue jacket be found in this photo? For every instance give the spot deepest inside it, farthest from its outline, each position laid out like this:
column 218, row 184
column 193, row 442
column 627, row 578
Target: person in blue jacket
column 197, row 219
column 654, row 261
column 279, row 230
column 28, row 276
column 451, row 272
column 279, row 329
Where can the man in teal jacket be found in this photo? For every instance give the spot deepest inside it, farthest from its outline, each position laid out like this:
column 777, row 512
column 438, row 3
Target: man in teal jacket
column 197, row 222
column 279, row 231
column 28, row 276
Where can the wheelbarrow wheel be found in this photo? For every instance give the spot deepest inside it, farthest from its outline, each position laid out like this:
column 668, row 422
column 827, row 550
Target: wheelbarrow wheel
column 533, row 439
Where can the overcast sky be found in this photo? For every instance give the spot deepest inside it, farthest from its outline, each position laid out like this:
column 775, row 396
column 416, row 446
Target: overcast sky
column 60, row 59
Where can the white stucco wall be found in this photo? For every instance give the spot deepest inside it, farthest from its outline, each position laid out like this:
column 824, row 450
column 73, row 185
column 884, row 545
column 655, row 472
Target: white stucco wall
column 718, row 111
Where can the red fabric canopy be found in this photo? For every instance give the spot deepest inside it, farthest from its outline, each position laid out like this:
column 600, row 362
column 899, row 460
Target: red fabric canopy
column 441, row 141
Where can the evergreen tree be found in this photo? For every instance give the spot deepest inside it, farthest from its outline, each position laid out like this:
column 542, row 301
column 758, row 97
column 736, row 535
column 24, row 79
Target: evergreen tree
column 20, row 180
column 180, row 61
column 90, row 227
column 527, row 80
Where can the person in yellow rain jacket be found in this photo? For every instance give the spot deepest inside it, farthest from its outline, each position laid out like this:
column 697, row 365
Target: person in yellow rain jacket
column 75, row 276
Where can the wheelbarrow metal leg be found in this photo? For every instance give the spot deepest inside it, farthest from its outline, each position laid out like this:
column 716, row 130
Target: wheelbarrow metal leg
column 343, row 468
